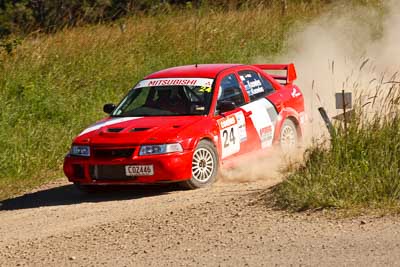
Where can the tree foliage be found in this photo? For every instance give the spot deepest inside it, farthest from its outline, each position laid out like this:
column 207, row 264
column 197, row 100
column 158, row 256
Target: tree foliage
column 25, row 16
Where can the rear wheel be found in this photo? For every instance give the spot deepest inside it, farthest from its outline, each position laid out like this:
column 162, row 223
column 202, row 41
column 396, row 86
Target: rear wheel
column 204, row 166
column 288, row 136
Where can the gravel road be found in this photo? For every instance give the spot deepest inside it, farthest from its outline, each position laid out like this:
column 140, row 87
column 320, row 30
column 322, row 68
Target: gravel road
column 225, row 225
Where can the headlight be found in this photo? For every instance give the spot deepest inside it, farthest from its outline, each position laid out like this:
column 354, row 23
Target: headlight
column 83, row 151
column 160, row 149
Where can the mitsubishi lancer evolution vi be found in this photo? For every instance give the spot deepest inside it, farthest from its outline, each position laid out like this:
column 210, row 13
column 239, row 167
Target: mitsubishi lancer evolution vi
column 181, row 124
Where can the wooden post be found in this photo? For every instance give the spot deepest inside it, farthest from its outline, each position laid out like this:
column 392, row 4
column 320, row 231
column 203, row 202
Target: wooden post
column 327, row 121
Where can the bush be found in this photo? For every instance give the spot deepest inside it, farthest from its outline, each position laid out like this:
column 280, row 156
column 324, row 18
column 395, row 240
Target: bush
column 26, row 16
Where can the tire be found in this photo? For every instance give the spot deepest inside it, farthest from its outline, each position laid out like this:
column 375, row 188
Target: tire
column 288, row 137
column 204, row 166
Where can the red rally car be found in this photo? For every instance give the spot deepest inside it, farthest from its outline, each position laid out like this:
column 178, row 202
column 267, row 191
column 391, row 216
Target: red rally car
column 180, row 124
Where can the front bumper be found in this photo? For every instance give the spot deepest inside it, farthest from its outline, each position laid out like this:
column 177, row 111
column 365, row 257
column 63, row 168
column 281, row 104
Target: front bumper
column 171, row 167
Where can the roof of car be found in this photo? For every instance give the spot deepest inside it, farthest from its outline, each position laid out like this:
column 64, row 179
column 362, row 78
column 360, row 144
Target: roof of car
column 191, row 71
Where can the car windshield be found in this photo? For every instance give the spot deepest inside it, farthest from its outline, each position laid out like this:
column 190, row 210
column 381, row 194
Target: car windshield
column 167, row 97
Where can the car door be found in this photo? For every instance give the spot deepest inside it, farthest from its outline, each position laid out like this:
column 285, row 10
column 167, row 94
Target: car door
column 262, row 113
column 230, row 116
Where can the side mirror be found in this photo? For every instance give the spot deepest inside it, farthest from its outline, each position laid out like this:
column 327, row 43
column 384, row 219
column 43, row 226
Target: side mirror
column 224, row 106
column 109, row 108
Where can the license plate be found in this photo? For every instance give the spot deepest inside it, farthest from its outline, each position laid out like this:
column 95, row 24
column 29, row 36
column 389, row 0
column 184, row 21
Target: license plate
column 139, row 170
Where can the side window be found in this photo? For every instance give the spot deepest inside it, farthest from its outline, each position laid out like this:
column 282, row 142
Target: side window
column 256, row 85
column 229, row 90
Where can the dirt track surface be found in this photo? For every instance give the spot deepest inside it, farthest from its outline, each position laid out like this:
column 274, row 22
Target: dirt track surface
column 225, row 225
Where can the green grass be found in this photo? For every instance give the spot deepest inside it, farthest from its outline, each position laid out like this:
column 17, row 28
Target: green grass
column 358, row 169
column 53, row 86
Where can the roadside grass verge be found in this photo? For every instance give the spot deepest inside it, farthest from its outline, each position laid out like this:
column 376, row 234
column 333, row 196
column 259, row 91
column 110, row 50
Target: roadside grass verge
column 355, row 170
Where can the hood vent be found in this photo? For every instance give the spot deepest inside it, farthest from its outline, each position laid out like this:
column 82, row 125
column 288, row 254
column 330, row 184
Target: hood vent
column 139, row 129
column 114, row 130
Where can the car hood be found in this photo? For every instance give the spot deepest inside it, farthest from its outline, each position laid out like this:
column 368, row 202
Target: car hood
column 136, row 130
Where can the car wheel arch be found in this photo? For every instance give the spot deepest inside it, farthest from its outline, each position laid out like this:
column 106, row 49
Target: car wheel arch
column 208, row 139
column 288, row 114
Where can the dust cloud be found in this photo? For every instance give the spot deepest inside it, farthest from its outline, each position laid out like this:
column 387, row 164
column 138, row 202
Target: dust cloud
column 252, row 168
column 353, row 49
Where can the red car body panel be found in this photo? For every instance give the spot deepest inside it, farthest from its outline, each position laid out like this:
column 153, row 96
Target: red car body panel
column 190, row 71
column 115, row 142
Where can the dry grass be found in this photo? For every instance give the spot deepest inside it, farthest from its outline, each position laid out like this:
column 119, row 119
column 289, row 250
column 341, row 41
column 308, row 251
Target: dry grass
column 358, row 168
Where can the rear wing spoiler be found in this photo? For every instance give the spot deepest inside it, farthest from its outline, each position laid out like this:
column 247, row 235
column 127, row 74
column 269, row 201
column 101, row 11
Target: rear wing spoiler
column 287, row 78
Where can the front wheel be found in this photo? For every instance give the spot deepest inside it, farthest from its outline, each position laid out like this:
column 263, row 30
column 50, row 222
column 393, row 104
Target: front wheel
column 204, row 166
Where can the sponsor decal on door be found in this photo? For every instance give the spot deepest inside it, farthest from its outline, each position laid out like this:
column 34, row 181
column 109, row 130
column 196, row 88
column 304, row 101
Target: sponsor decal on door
column 262, row 120
column 232, row 133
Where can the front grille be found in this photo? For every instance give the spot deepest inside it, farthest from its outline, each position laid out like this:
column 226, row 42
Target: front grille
column 103, row 153
column 109, row 172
